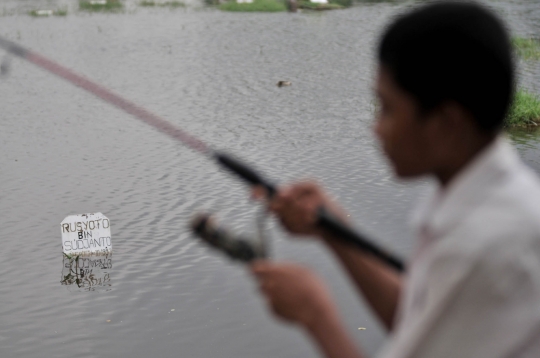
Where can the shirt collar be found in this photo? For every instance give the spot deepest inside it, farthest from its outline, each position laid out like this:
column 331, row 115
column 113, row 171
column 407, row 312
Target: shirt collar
column 444, row 208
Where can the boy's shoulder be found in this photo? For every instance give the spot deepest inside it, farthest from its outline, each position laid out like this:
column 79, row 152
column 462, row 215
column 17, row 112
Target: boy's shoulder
column 511, row 212
column 504, row 216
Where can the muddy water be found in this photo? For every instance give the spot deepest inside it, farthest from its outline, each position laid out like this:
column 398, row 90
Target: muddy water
column 213, row 74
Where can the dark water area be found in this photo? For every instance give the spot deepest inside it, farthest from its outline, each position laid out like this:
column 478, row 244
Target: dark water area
column 214, row 74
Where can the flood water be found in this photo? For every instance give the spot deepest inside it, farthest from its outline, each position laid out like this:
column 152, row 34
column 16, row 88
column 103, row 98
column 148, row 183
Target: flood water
column 214, row 74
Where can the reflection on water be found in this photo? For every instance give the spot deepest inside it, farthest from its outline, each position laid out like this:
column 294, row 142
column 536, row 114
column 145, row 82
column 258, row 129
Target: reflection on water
column 525, row 137
column 527, row 141
column 87, row 273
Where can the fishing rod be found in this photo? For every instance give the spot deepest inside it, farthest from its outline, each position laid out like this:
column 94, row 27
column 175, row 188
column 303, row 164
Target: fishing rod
column 324, row 218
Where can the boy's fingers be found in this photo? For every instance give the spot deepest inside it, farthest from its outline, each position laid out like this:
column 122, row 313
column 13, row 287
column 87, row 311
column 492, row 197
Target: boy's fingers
column 307, row 188
column 260, row 268
column 267, row 285
column 258, row 192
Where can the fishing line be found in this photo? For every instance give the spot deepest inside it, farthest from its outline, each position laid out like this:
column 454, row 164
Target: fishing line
column 325, row 219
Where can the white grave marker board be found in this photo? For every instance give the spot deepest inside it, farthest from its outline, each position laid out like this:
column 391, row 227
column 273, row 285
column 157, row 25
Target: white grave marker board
column 86, row 234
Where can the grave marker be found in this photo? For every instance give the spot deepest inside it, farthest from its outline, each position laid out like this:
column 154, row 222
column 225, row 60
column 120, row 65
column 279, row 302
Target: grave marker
column 86, row 234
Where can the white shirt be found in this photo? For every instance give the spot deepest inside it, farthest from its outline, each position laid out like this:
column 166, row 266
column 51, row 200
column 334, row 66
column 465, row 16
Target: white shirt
column 473, row 289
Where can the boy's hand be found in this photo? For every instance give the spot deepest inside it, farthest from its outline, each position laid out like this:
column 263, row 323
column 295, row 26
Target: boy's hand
column 296, row 207
column 294, row 293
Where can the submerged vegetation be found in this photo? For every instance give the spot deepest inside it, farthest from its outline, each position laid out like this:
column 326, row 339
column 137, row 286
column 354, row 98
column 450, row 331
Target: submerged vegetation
column 101, row 5
column 152, row 3
column 527, row 48
column 256, row 5
column 525, row 110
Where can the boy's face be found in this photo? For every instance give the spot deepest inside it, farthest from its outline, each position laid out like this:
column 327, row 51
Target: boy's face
column 406, row 138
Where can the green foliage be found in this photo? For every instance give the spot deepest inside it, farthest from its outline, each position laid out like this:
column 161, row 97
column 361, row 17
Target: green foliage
column 525, row 110
column 109, row 5
column 528, row 49
column 173, row 4
column 256, row 5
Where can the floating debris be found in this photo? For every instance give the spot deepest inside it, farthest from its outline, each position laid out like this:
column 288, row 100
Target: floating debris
column 172, row 4
column 284, row 83
column 46, row 13
column 361, row 328
column 108, row 320
column 98, row 2
column 319, row 6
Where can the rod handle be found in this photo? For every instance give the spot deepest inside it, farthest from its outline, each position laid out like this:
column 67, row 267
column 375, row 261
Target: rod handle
column 245, row 172
column 329, row 222
column 325, row 219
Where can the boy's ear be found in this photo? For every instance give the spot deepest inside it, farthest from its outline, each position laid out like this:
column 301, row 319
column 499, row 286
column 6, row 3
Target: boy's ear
column 453, row 119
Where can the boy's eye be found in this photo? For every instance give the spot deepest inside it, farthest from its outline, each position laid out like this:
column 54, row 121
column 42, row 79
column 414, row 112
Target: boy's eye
column 383, row 108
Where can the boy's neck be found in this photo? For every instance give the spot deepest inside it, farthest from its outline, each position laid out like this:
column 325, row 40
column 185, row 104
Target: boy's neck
column 461, row 156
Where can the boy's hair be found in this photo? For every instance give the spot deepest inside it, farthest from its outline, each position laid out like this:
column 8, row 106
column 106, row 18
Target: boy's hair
column 452, row 51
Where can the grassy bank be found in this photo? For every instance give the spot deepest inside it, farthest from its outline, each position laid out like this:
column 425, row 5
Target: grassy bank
column 101, row 5
column 526, row 48
column 525, row 110
column 256, row 5
column 151, row 3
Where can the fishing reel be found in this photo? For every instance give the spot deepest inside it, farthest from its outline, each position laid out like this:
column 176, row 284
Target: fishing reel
column 236, row 247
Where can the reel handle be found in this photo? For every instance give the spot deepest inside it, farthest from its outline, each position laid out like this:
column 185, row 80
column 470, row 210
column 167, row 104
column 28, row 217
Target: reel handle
column 332, row 224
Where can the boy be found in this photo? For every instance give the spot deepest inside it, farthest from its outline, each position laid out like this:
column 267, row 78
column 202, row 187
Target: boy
column 472, row 289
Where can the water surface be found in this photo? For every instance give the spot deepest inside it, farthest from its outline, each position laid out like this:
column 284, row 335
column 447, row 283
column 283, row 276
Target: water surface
column 213, row 74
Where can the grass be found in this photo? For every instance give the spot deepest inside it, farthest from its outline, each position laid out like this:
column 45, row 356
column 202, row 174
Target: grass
column 527, row 48
column 151, row 3
column 256, row 5
column 525, row 110
column 109, row 5
column 46, row 13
